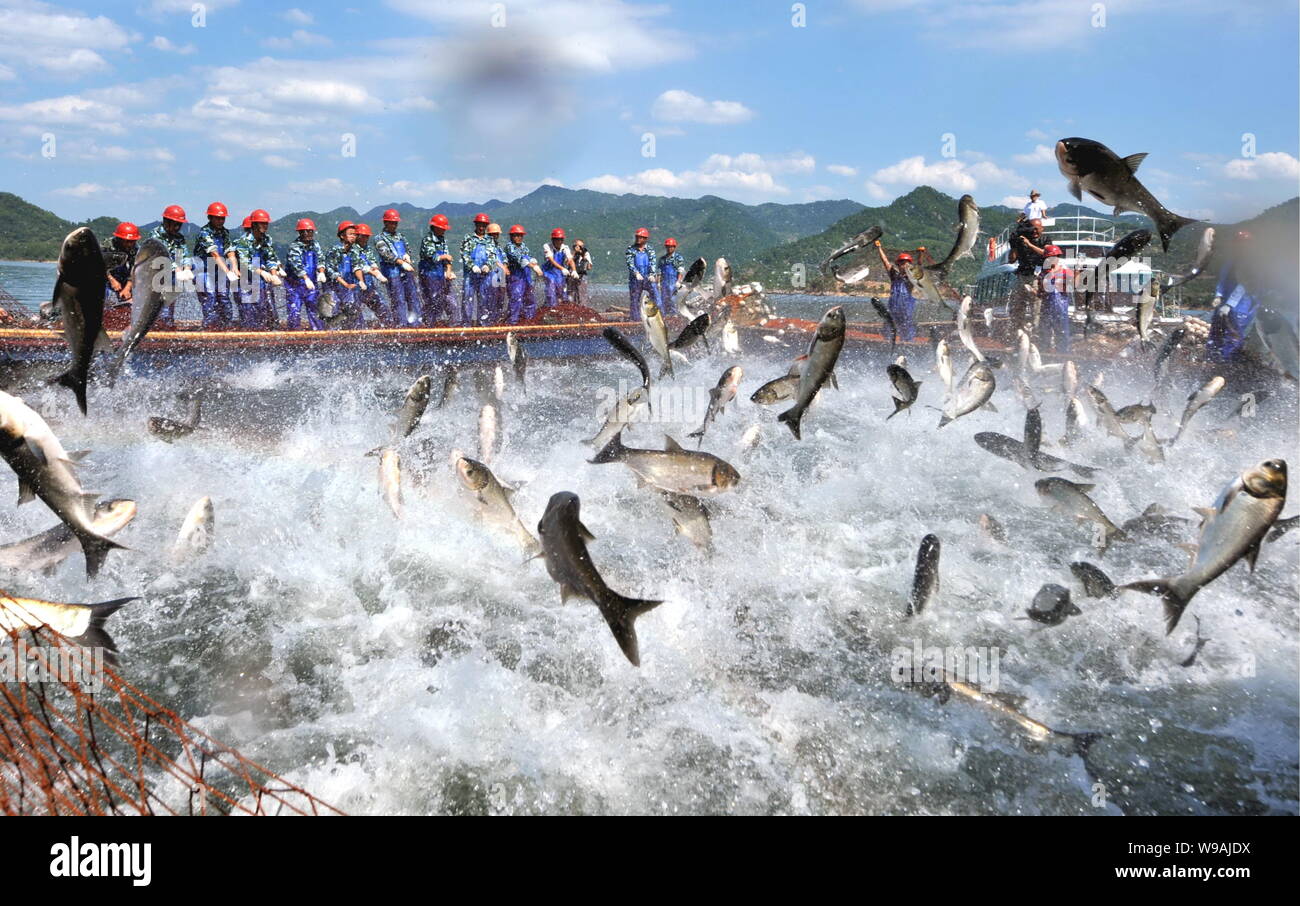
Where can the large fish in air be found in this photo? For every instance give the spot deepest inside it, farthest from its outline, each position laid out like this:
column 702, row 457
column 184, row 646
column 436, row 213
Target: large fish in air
column 79, row 298
column 1092, row 167
column 968, row 229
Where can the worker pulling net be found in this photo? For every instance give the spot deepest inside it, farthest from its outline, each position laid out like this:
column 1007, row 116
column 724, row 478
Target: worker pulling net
column 77, row 739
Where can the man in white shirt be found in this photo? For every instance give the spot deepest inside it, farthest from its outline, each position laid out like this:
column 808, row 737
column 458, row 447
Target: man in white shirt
column 1035, row 209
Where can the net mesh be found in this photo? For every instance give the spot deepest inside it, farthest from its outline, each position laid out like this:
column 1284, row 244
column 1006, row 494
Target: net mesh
column 96, row 745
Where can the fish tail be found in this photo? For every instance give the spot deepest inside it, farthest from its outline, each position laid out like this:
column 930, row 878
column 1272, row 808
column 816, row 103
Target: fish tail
column 96, row 548
column 621, row 614
column 667, row 367
column 1170, row 592
column 96, row 636
column 1169, row 223
column 612, row 451
column 792, row 417
column 1083, row 742
column 899, row 406
column 75, row 383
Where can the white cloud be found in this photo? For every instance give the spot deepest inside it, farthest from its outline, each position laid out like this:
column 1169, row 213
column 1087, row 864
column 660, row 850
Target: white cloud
column 282, row 163
column 747, row 175
column 1269, row 165
column 677, row 106
column 70, row 109
column 331, row 186
column 468, row 189
column 119, row 154
column 56, row 42
column 951, row 174
column 796, row 162
column 842, row 170
column 177, row 7
column 97, row 190
column 1040, row 155
column 300, row 38
column 1015, row 201
column 298, row 17
column 161, row 43
column 1037, row 135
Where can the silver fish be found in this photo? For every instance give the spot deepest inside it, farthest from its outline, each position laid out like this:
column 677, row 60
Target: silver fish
column 417, row 400
column 943, row 364
column 450, row 379
column 1052, row 605
column 823, row 352
column 1204, row 249
column 80, row 623
column 1076, row 418
column 975, row 390
column 518, row 359
column 656, row 332
column 629, row 352
column 1144, row 313
column 964, row 331
column 564, row 545
column 690, row 517
column 620, row 415
column 968, row 228
column 1096, row 584
column 719, row 396
column 721, row 279
column 1106, row 416
column 925, row 581
column 905, row 389
column 1208, row 391
column 1232, row 530
column 489, row 432
column 79, row 295
column 864, row 240
column 390, row 479
column 196, row 531
column 673, row 468
column 150, row 290
column 495, row 501
column 45, row 470
column 1071, row 498
column 44, row 552
column 170, row 430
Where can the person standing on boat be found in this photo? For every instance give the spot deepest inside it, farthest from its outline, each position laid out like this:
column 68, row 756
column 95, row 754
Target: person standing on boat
column 519, row 282
column 170, row 235
column 395, row 264
column 1027, row 248
column 1057, row 286
column 902, row 305
column 1034, row 209
column 260, row 262
column 372, row 276
column 580, row 281
column 346, row 275
column 477, row 258
column 557, row 264
column 435, row 271
column 216, row 268
column 119, row 259
column 305, row 269
column 1234, row 304
column 496, row 291
column 671, row 265
column 642, row 273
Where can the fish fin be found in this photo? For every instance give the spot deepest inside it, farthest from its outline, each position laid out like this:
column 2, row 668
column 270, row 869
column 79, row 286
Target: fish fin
column 944, row 419
column 96, row 548
column 667, row 367
column 1075, row 189
column 50, row 570
column 585, row 532
column 672, row 446
column 37, row 453
column 565, row 592
column 612, row 451
column 835, row 382
column 102, row 342
column 990, row 407
column 620, row 614
column 1086, row 488
column 1252, row 555
column 1083, row 742
column 25, row 492
column 1169, row 591
column 791, row 417
column 78, row 455
column 78, row 387
column 1133, row 161
column 1154, row 509
column 1205, row 512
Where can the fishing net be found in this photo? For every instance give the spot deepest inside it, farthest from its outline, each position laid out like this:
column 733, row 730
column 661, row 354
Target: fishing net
column 77, row 739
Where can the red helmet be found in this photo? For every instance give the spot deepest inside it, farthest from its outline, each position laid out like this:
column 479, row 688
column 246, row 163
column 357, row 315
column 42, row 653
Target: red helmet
column 248, row 222
column 363, row 230
column 556, row 233
column 440, row 221
column 1053, row 251
column 671, row 241
column 345, row 225
column 305, row 224
column 643, row 233
column 517, row 230
column 903, row 256
column 391, row 216
column 1243, row 234
column 126, row 230
column 259, row 216
column 482, row 218
column 217, row 209
column 174, row 212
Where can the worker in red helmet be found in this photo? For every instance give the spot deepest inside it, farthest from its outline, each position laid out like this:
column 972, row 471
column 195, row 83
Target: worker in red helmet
column 477, row 258
column 671, row 265
column 260, row 270
column 580, row 278
column 372, row 277
column 397, row 267
column 216, row 269
column 1056, row 287
column 304, row 266
column 902, row 306
column 169, row 234
column 519, row 280
column 642, row 273
column 119, row 260
column 557, row 267
column 436, row 272
column 345, row 273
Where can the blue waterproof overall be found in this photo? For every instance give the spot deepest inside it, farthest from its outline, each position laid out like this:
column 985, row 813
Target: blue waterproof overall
column 1054, row 319
column 403, row 293
column 370, row 296
column 555, row 290
column 437, row 292
column 348, row 301
column 641, row 281
column 257, row 306
column 297, row 295
column 668, row 284
column 496, row 286
column 519, row 287
column 1232, row 319
column 475, row 306
column 213, row 288
column 902, row 307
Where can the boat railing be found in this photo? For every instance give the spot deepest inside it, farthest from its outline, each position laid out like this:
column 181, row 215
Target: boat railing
column 1071, row 229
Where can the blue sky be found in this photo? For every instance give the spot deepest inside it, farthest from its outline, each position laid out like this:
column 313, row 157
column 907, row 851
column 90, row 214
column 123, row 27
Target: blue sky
column 120, row 108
